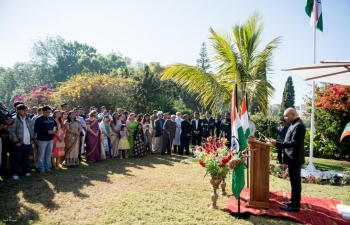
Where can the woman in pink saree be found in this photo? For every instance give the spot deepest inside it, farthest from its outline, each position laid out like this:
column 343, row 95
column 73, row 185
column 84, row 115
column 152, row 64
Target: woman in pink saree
column 93, row 144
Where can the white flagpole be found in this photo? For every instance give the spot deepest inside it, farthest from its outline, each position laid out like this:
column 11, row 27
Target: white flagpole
column 311, row 167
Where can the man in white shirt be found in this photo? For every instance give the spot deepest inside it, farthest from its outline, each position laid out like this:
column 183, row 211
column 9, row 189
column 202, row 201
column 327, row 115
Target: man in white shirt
column 103, row 113
column 22, row 135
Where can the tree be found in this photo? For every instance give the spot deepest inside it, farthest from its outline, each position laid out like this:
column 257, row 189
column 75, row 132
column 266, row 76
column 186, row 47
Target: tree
column 288, row 99
column 94, row 89
column 147, row 89
column 331, row 115
column 203, row 61
column 37, row 96
column 236, row 59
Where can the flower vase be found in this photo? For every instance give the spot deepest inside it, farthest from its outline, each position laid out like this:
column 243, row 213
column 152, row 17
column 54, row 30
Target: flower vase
column 223, row 185
column 215, row 181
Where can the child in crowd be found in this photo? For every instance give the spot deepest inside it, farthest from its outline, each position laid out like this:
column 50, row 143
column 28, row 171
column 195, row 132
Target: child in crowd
column 106, row 141
column 123, row 144
column 139, row 142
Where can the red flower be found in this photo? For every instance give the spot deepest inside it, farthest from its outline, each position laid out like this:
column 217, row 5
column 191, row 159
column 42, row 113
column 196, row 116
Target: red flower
column 201, row 163
column 226, row 159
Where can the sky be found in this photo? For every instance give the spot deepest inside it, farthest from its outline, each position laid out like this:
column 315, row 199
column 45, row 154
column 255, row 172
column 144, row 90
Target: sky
column 168, row 31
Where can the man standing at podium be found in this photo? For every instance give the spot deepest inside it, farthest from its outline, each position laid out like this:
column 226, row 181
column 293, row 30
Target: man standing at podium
column 281, row 134
column 294, row 156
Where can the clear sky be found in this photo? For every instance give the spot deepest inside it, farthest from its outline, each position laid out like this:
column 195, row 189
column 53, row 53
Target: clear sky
column 172, row 31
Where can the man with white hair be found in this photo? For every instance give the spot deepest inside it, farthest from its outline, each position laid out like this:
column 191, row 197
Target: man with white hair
column 294, row 156
column 158, row 135
column 176, row 142
column 168, row 134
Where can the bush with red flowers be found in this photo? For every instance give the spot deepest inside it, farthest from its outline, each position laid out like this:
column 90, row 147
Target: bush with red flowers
column 215, row 156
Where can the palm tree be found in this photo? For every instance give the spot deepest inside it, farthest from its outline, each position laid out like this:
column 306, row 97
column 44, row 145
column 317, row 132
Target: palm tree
column 235, row 59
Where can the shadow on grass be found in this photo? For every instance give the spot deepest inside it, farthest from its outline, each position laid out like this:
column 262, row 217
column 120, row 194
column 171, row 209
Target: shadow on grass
column 332, row 167
column 41, row 188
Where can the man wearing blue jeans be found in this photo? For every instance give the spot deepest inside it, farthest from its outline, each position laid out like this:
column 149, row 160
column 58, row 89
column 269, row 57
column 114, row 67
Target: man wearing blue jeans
column 45, row 129
column 22, row 136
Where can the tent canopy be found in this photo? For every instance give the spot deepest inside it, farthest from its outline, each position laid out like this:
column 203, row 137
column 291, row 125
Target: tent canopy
column 325, row 71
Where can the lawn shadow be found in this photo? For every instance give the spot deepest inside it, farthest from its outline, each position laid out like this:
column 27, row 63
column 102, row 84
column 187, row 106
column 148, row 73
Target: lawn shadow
column 42, row 188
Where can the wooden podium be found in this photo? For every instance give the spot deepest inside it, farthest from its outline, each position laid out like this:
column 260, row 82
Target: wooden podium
column 259, row 174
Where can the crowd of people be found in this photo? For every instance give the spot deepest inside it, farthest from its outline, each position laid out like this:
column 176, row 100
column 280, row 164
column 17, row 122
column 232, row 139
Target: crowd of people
column 54, row 138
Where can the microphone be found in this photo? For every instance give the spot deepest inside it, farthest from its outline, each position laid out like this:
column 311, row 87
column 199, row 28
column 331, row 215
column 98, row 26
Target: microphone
column 261, row 134
column 267, row 130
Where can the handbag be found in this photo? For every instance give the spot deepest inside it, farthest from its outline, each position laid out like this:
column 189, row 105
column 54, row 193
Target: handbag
column 60, row 144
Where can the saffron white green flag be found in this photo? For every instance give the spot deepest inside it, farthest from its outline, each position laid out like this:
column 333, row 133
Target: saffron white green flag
column 238, row 139
column 346, row 132
column 237, row 129
column 244, row 118
column 309, row 11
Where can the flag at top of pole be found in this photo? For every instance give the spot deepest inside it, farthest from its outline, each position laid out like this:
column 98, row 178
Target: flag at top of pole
column 309, row 11
column 244, row 117
column 238, row 137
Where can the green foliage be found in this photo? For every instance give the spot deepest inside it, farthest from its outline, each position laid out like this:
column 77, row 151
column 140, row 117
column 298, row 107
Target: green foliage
column 266, row 124
column 331, row 116
column 165, row 104
column 288, row 99
column 179, row 106
column 328, row 129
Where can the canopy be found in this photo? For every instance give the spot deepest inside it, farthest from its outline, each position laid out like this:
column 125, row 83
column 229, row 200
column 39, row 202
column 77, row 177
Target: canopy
column 329, row 72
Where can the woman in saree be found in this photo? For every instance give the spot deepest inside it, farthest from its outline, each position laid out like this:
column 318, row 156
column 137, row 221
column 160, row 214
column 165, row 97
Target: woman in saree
column 93, row 146
column 73, row 129
column 64, row 116
column 131, row 125
column 58, row 142
column 115, row 128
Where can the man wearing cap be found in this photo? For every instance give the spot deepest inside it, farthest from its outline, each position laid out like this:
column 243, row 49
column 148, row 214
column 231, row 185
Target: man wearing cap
column 281, row 134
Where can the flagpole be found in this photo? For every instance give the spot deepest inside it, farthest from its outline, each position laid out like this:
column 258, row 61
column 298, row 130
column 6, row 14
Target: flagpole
column 248, row 159
column 311, row 167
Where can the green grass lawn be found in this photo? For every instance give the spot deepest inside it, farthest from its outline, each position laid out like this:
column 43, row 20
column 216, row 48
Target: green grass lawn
column 151, row 190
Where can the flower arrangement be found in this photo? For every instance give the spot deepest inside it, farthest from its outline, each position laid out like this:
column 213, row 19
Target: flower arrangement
column 216, row 157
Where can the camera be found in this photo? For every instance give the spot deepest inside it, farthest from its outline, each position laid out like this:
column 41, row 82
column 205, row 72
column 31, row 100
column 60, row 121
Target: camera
column 5, row 115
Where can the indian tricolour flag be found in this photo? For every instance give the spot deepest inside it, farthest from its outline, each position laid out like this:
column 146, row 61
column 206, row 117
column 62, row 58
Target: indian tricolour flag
column 239, row 141
column 238, row 136
column 346, row 132
column 309, row 11
column 244, row 117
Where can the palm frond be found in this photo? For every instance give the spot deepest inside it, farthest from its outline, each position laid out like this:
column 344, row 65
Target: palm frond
column 206, row 86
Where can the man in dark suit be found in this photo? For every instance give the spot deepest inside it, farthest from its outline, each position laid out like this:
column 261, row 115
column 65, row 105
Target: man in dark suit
column 196, row 127
column 185, row 135
column 208, row 125
column 217, row 126
column 294, row 156
column 281, row 134
column 158, row 135
column 169, row 129
column 225, row 128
